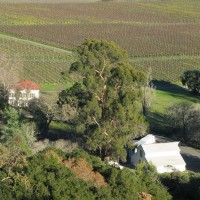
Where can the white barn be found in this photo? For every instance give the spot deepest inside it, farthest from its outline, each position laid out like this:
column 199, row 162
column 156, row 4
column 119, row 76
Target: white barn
column 23, row 92
column 164, row 155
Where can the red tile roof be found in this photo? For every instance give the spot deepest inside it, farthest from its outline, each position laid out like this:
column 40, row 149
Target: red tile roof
column 27, row 84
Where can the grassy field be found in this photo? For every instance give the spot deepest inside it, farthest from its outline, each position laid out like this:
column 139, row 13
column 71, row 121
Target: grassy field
column 46, row 87
column 167, row 95
column 163, row 35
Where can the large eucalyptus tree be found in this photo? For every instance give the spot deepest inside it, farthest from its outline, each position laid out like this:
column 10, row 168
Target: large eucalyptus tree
column 108, row 99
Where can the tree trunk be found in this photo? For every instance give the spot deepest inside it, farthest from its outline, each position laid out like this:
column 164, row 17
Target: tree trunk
column 100, row 152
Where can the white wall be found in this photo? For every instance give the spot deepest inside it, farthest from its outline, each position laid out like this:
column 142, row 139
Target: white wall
column 24, row 97
column 30, row 94
column 138, row 156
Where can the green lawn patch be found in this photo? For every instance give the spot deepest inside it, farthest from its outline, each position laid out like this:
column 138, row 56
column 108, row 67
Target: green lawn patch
column 55, row 86
column 167, row 94
column 60, row 127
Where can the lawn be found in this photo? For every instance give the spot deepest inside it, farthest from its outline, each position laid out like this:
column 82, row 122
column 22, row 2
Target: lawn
column 166, row 95
column 56, row 87
column 61, row 127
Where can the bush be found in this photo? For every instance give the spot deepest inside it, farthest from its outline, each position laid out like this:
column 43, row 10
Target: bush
column 183, row 185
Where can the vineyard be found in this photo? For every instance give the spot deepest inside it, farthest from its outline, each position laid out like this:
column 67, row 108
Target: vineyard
column 167, row 68
column 148, row 40
column 38, row 63
column 163, row 35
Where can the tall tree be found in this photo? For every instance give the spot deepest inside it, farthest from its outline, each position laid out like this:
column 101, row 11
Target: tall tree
column 108, row 99
column 9, row 76
column 16, row 132
column 148, row 94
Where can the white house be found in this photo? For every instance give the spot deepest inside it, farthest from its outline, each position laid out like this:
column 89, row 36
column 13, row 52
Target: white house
column 164, row 155
column 23, row 92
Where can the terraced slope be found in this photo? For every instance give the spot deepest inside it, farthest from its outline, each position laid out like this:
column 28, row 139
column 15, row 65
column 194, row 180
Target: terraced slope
column 163, row 35
column 40, row 63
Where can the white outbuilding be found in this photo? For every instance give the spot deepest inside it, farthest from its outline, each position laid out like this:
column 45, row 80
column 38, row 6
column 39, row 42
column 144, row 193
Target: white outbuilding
column 163, row 154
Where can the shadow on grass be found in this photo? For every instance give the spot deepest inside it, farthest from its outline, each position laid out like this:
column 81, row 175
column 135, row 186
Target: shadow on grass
column 176, row 91
column 64, row 131
column 158, row 123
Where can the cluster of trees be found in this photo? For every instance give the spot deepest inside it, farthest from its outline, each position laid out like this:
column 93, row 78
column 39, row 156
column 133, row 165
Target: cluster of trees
column 45, row 176
column 182, row 185
column 16, row 131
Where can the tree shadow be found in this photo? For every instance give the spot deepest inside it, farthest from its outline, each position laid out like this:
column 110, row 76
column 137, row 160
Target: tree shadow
column 56, row 134
column 158, row 123
column 192, row 162
column 176, row 91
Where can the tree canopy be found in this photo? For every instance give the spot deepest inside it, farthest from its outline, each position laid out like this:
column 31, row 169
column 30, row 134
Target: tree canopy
column 107, row 99
column 9, row 77
column 184, row 117
column 47, row 175
column 43, row 113
column 16, row 131
column 191, row 79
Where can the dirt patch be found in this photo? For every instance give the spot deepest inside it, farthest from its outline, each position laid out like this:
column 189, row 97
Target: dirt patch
column 81, row 168
column 145, row 196
column 84, row 171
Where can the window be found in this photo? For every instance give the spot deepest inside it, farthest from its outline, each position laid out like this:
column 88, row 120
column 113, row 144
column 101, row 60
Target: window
column 12, row 102
column 21, row 102
column 12, row 94
column 32, row 95
column 141, row 153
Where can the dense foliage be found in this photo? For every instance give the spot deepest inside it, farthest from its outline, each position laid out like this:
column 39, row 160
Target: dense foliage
column 109, row 98
column 183, row 185
column 184, row 118
column 45, row 176
column 16, row 131
column 191, row 79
